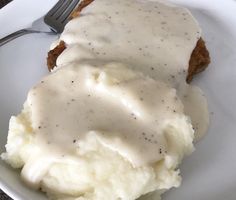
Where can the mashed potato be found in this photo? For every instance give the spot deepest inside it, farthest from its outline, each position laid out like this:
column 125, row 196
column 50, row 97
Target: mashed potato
column 101, row 174
column 97, row 168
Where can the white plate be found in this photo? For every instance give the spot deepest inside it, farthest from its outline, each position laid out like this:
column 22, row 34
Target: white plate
column 210, row 172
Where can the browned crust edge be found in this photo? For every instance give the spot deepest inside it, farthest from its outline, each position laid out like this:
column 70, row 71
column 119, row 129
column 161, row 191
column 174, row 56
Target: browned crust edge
column 199, row 60
column 53, row 55
column 82, row 5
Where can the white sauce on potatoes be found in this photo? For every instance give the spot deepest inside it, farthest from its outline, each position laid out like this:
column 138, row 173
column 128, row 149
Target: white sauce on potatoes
column 122, row 78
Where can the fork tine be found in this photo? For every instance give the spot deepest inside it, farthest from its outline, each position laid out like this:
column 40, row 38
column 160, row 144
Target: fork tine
column 61, row 10
column 58, row 16
column 68, row 11
column 55, row 8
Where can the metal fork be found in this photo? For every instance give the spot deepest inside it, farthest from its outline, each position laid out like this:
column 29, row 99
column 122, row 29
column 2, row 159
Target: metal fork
column 59, row 15
column 56, row 20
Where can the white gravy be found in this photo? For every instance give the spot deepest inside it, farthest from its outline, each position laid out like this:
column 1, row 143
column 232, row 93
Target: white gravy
column 122, row 79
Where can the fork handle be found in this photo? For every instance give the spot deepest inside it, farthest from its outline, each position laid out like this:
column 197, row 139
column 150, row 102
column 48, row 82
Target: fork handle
column 15, row 35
